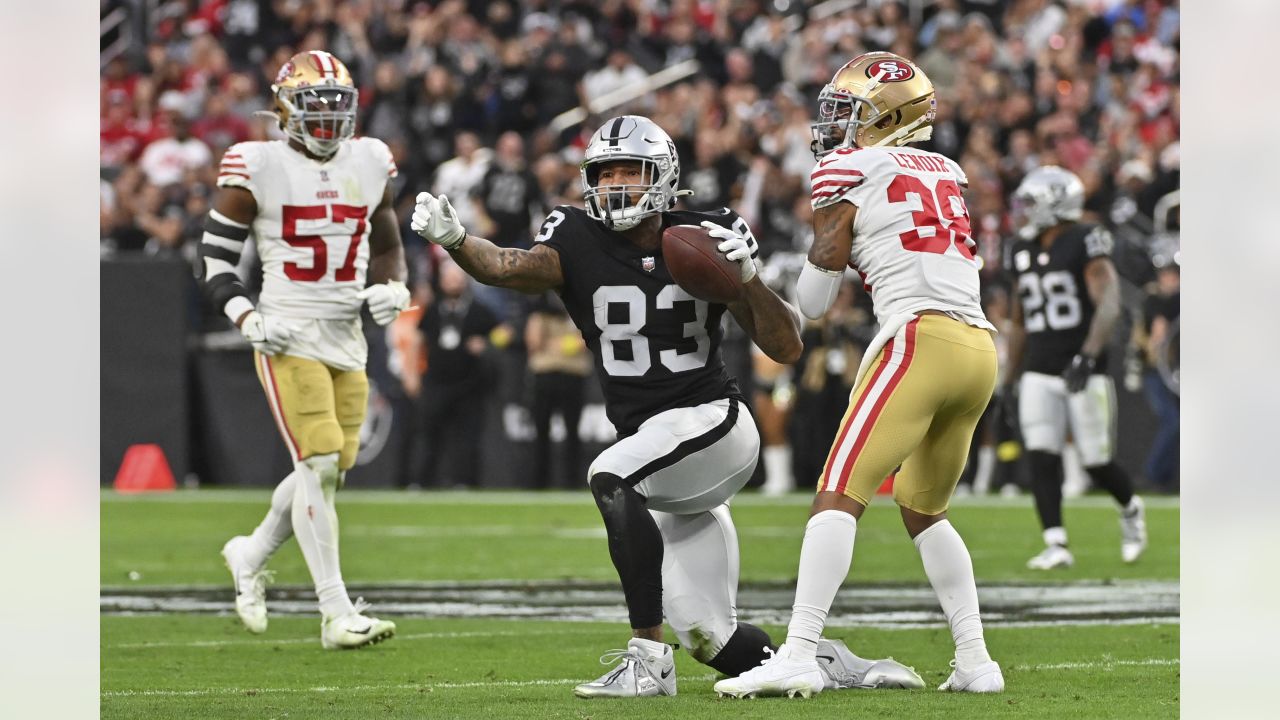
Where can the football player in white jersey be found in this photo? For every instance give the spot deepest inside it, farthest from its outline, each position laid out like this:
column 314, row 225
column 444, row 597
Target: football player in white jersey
column 894, row 214
column 319, row 208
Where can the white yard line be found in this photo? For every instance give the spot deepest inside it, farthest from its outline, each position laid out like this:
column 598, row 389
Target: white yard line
column 313, row 640
column 583, row 498
column 1105, row 663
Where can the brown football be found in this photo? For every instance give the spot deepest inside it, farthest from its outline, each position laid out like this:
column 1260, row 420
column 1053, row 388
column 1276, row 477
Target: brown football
column 695, row 264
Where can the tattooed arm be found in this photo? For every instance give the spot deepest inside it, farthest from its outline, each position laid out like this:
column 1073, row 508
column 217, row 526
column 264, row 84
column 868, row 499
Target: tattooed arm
column 819, row 281
column 770, row 322
column 529, row 271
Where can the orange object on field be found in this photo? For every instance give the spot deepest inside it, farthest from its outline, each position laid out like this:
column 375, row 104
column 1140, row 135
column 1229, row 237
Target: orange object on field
column 886, row 487
column 145, row 469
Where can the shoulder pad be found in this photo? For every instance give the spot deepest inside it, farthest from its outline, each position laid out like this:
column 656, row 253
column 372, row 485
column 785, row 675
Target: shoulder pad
column 375, row 151
column 239, row 164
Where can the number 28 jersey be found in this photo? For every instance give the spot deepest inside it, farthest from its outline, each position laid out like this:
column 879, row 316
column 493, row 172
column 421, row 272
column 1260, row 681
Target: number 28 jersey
column 1056, row 307
column 312, row 224
column 911, row 241
column 656, row 347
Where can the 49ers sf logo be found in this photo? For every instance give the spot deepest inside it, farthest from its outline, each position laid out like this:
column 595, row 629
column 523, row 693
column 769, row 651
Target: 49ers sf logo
column 893, row 70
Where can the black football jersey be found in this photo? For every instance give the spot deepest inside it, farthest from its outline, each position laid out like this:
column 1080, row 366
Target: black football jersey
column 656, row 347
column 1056, row 307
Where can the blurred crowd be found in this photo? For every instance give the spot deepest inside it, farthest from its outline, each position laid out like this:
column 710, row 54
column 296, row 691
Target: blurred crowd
column 471, row 96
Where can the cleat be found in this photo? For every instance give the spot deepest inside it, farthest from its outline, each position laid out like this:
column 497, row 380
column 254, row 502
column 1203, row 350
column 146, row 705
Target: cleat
column 1133, row 531
column 354, row 630
column 986, row 678
column 778, row 675
column 842, row 669
column 1053, row 556
column 250, row 584
column 638, row 673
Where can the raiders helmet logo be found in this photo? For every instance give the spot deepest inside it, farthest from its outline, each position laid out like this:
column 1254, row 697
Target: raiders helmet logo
column 893, row 71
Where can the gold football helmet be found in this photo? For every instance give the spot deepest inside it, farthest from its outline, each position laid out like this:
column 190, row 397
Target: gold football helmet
column 876, row 99
column 315, row 101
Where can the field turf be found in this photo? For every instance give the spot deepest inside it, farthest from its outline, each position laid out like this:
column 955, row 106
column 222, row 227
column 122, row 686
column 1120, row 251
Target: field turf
column 503, row 601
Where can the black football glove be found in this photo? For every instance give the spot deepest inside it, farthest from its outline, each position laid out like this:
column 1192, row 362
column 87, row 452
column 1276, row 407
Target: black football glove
column 1078, row 372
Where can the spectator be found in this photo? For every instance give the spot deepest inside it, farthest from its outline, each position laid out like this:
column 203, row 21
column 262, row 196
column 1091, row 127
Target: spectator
column 455, row 388
column 558, row 368
column 508, row 199
column 1159, row 343
column 459, row 177
column 620, row 72
column 166, row 161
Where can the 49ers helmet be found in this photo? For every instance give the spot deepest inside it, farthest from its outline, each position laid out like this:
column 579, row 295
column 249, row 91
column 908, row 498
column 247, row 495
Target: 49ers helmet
column 889, row 101
column 315, row 101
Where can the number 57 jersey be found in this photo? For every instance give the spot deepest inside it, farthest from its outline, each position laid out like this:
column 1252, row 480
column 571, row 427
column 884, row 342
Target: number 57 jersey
column 312, row 224
column 911, row 236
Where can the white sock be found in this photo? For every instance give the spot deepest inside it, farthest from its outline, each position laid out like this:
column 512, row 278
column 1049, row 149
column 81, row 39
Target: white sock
column 315, row 525
column 824, row 562
column 653, row 649
column 777, row 470
column 1055, row 536
column 276, row 527
column 950, row 570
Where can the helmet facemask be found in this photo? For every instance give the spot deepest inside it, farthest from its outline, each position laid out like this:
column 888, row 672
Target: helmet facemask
column 319, row 116
column 622, row 207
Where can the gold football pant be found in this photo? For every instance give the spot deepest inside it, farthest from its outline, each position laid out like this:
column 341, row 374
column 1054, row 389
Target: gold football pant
column 915, row 409
column 318, row 409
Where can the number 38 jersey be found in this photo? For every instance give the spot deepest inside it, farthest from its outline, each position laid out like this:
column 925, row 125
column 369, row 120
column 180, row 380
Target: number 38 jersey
column 656, row 347
column 911, row 241
column 312, row 225
column 1056, row 307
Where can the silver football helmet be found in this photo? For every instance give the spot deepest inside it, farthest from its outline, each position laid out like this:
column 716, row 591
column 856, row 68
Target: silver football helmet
column 1047, row 196
column 630, row 137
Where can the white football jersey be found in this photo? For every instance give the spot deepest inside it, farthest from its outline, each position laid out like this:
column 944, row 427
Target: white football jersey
column 911, row 241
column 312, row 227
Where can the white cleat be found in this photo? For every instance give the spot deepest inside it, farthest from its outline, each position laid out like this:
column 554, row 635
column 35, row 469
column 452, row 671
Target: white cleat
column 986, row 678
column 354, row 630
column 777, row 675
column 1133, row 531
column 638, row 673
column 842, row 669
column 250, row 583
column 1053, row 556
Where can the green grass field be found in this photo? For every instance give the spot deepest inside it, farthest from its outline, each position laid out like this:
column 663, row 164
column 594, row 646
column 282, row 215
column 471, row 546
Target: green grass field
column 458, row 571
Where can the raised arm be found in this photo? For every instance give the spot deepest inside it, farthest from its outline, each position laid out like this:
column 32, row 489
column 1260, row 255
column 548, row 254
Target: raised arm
column 530, row 271
column 820, row 278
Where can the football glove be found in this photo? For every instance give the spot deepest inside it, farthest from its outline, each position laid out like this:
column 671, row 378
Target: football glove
column 435, row 219
column 1078, row 372
column 267, row 335
column 385, row 300
column 735, row 248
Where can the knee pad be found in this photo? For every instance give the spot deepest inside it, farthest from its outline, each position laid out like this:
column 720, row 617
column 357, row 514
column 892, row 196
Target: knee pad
column 326, row 468
column 610, row 492
column 744, row 650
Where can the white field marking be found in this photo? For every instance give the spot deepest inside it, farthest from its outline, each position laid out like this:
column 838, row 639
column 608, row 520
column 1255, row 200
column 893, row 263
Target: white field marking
column 310, row 641
column 262, row 496
column 1105, row 663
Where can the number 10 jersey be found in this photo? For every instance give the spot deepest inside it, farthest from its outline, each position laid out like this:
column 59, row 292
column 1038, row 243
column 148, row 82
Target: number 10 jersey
column 911, row 236
column 656, row 347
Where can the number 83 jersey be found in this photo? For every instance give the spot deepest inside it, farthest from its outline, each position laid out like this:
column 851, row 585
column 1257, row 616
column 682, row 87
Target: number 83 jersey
column 312, row 224
column 1056, row 307
column 656, row 347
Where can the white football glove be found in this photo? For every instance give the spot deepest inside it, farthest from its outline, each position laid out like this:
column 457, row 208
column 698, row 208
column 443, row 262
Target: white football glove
column 268, row 336
column 386, row 300
column 735, row 248
column 435, row 219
